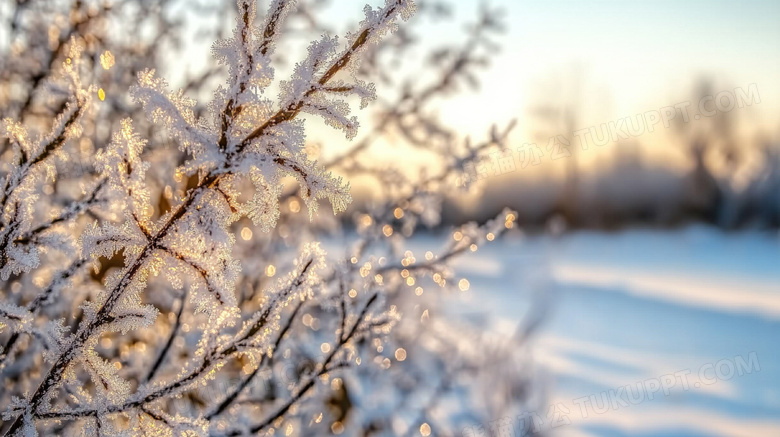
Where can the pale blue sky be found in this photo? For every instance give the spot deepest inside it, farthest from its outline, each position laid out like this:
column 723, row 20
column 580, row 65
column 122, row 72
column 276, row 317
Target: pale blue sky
column 642, row 54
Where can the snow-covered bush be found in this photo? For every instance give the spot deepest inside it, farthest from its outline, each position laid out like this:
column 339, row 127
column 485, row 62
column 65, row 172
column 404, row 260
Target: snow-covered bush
column 138, row 300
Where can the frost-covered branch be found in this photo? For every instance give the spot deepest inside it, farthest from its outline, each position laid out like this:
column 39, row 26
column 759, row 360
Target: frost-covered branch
column 117, row 307
column 362, row 326
column 45, row 297
column 187, row 225
column 33, row 156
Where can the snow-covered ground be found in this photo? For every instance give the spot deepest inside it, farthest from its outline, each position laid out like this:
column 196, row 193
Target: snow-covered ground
column 649, row 333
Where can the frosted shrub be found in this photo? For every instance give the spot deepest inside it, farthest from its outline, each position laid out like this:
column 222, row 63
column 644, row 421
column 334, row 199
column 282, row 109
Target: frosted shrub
column 190, row 332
